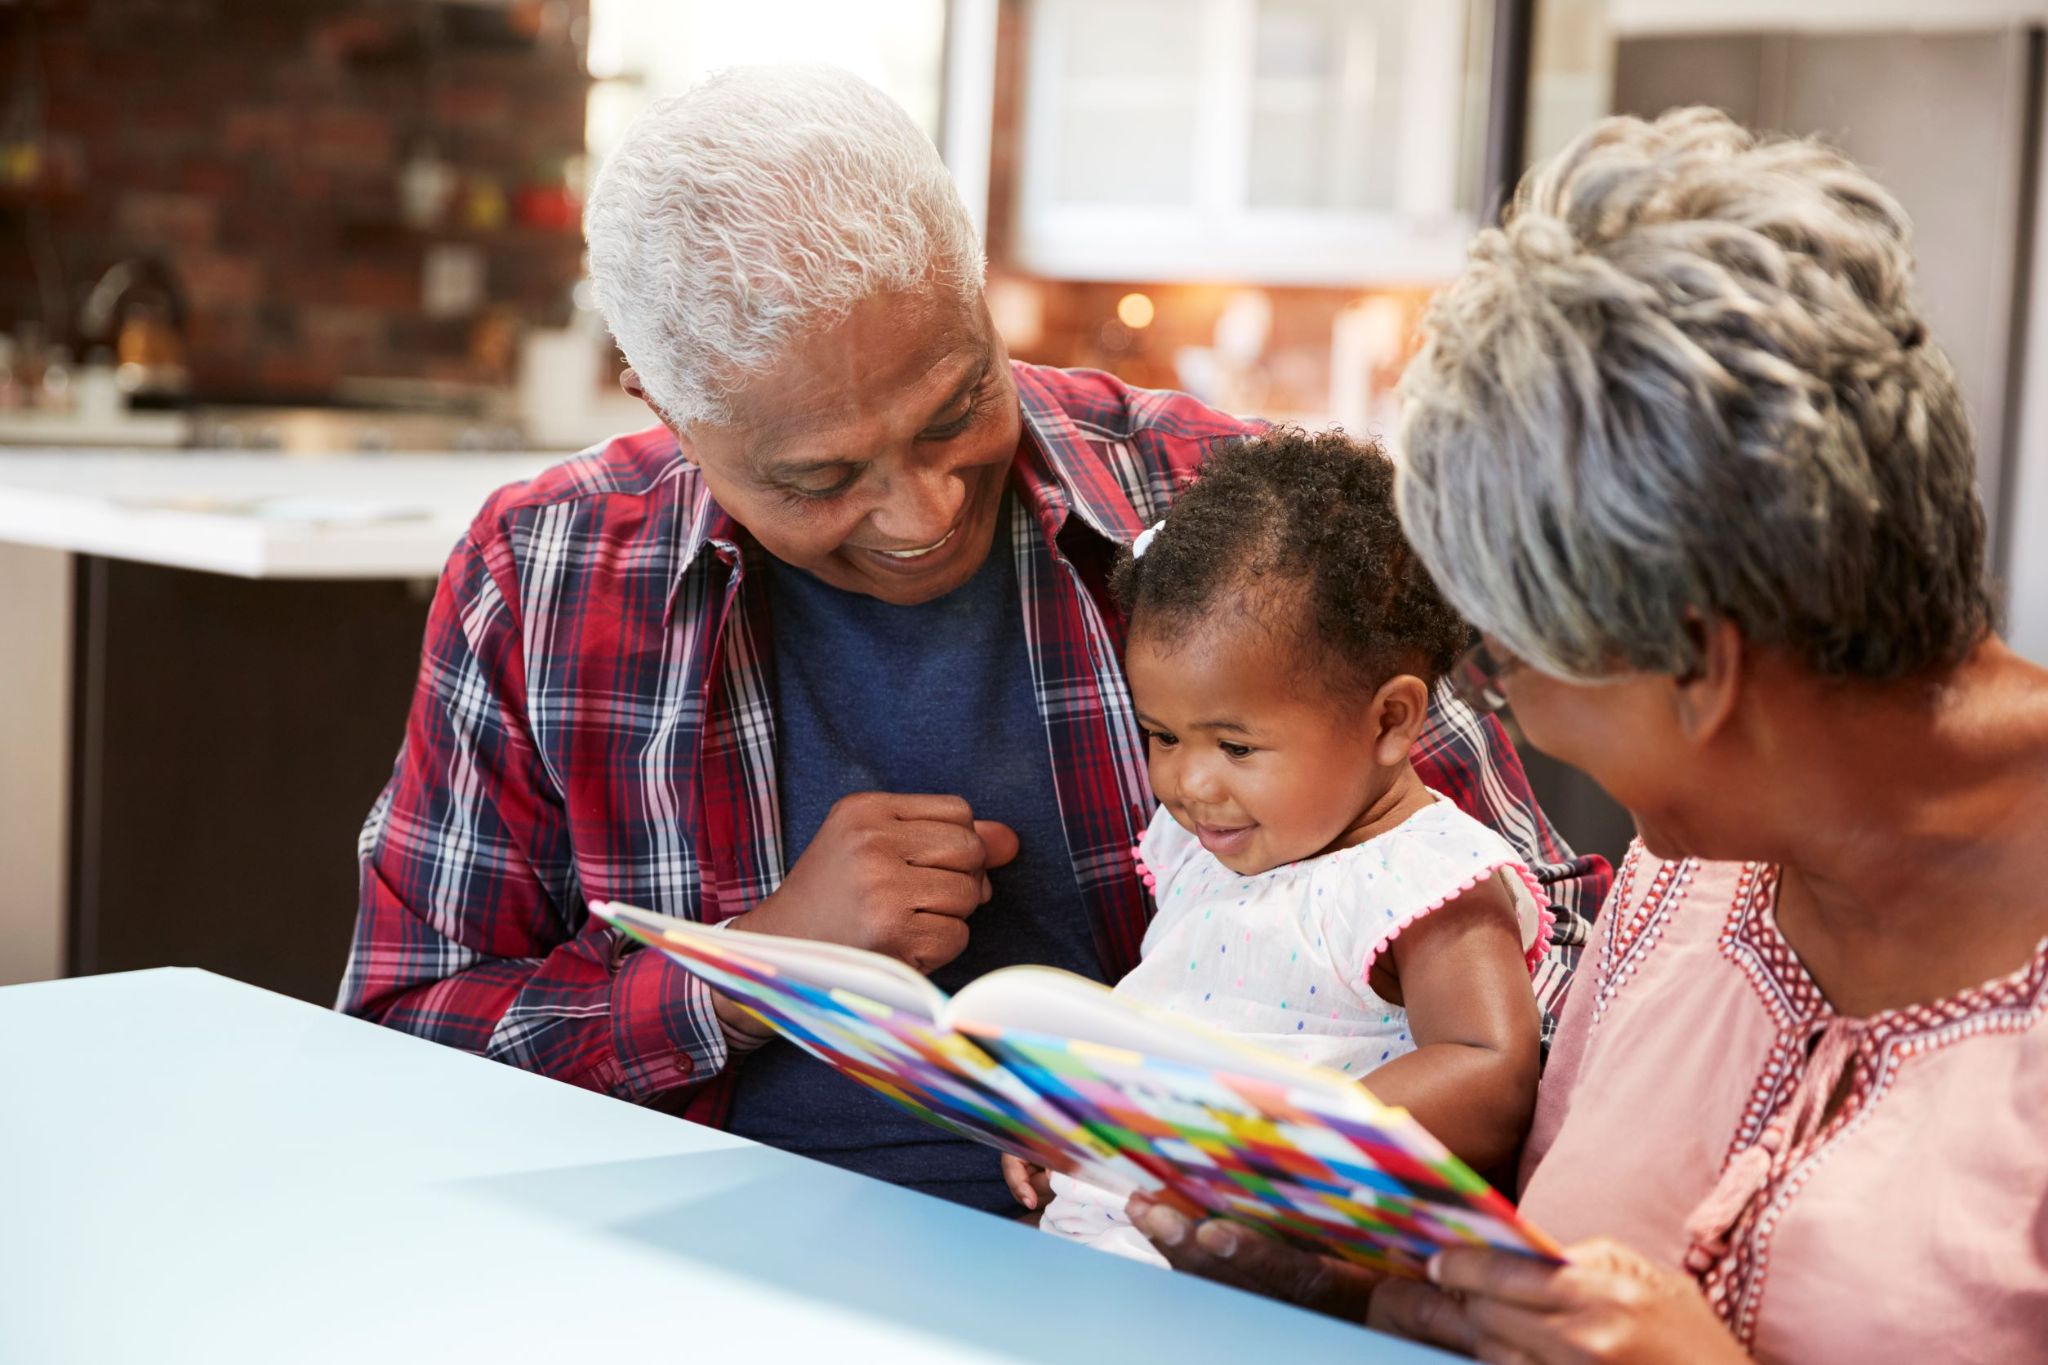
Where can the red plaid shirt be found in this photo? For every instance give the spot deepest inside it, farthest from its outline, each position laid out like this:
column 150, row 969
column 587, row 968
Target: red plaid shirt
column 593, row 721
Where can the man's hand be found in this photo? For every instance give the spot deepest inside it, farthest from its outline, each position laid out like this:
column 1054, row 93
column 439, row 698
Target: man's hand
column 894, row 874
column 1606, row 1304
column 1031, row 1185
column 743, row 1031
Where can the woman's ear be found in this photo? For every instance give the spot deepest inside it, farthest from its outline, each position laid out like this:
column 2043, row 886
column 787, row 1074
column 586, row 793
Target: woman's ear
column 1705, row 698
column 1399, row 711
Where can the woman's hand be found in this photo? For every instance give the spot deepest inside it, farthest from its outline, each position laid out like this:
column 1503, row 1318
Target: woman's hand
column 1232, row 1254
column 1031, row 1185
column 1605, row 1304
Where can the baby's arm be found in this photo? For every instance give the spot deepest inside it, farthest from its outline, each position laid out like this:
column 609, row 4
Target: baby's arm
column 1462, row 977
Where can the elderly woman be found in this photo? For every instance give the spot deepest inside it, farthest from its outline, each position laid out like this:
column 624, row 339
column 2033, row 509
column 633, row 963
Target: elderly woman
column 1679, row 444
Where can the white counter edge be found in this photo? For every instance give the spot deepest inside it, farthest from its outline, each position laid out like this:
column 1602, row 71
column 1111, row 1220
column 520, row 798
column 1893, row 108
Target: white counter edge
column 225, row 544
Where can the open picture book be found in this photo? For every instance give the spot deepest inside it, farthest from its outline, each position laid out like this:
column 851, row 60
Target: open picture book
column 1053, row 1068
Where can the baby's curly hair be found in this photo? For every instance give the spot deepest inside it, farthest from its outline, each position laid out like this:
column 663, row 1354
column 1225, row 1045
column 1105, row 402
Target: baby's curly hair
column 1290, row 521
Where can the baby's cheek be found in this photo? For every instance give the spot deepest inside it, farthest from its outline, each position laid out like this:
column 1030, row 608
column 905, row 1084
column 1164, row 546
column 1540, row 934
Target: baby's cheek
column 1275, row 847
column 1303, row 829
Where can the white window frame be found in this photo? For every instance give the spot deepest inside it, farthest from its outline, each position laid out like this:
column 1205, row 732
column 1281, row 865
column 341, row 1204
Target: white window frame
column 1219, row 235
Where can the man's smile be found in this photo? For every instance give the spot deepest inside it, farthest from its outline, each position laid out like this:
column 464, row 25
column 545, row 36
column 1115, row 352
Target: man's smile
column 920, row 553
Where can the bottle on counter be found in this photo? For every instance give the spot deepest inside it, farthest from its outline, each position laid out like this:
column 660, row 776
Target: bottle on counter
column 96, row 388
column 426, row 187
column 56, row 390
column 29, row 358
column 138, row 310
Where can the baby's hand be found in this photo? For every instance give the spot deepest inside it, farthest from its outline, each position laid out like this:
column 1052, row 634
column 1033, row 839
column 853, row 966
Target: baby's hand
column 1031, row 1184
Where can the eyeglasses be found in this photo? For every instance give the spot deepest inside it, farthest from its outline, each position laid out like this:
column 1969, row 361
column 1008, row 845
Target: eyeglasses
column 1476, row 678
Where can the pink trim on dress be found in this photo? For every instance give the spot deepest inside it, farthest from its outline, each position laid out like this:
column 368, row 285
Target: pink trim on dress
column 1545, row 916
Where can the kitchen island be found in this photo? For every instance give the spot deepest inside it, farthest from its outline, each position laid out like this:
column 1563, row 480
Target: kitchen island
column 207, row 662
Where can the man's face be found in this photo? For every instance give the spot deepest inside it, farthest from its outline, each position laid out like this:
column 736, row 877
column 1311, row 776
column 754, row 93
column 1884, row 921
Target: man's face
column 874, row 454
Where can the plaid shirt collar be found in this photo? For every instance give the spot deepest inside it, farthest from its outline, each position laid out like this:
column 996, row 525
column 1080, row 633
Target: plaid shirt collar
column 1066, row 476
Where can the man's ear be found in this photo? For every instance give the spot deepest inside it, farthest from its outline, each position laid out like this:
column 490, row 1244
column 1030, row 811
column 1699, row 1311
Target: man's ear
column 629, row 380
column 1399, row 711
column 1705, row 698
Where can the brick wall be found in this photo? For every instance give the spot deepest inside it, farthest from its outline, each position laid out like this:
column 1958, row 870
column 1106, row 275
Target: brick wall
column 258, row 147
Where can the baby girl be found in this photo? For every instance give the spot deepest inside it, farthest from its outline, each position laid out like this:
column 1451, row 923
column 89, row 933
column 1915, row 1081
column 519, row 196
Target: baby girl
column 1313, row 895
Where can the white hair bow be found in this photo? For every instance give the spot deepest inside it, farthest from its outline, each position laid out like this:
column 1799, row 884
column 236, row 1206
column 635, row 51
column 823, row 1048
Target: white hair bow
column 1145, row 539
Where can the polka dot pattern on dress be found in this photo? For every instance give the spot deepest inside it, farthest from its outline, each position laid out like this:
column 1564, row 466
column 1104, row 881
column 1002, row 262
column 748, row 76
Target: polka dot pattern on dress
column 1266, row 954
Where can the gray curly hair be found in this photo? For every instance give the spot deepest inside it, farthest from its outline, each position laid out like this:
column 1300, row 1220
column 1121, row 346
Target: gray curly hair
column 760, row 205
column 1686, row 376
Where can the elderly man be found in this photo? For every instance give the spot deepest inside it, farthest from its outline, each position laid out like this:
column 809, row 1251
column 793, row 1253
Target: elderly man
column 826, row 653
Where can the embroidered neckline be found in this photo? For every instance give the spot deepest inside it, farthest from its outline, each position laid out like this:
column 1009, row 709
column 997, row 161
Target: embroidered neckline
column 1631, row 935
column 1752, row 938
column 1733, row 1264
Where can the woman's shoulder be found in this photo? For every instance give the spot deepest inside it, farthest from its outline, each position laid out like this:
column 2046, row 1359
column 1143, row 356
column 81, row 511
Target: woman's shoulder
column 1639, row 865
column 1650, row 892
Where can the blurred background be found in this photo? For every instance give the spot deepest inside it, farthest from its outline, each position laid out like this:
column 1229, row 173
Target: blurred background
column 287, row 286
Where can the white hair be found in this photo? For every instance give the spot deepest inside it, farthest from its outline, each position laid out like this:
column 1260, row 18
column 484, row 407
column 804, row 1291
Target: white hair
column 760, row 206
column 1687, row 379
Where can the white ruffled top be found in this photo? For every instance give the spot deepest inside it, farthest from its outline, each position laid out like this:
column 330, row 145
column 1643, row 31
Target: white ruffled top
column 1281, row 958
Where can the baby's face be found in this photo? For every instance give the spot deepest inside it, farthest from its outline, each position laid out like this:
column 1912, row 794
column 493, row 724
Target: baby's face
column 1262, row 766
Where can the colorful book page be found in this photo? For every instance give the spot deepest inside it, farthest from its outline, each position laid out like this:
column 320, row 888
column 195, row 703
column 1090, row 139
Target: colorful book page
column 1325, row 1168
column 938, row 1075
column 1322, row 1165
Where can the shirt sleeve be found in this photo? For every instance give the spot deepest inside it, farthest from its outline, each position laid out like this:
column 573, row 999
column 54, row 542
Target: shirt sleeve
column 1364, row 898
column 471, row 927
column 1469, row 758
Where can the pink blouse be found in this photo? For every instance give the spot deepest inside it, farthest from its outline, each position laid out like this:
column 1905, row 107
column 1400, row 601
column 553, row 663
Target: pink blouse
column 1679, row 1112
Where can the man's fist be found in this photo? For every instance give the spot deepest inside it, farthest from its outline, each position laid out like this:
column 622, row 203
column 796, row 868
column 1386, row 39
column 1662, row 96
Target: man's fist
column 891, row 873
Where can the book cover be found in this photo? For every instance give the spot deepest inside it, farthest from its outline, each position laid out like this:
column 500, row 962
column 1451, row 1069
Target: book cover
column 1056, row 1070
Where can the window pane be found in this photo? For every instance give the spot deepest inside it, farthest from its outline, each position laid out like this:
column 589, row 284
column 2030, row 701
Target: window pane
column 641, row 50
column 1125, row 100
column 1326, row 103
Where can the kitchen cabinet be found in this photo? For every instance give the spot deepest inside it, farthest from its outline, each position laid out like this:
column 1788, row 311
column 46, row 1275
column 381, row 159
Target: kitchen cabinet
column 1251, row 141
column 212, row 658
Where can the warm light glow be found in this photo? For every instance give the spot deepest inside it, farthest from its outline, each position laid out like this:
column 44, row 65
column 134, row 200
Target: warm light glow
column 1385, row 324
column 1134, row 311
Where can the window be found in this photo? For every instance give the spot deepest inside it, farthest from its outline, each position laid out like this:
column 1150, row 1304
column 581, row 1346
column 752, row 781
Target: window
column 642, row 50
column 1283, row 141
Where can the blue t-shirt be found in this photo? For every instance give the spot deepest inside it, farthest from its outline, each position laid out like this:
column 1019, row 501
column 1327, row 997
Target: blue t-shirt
column 931, row 698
